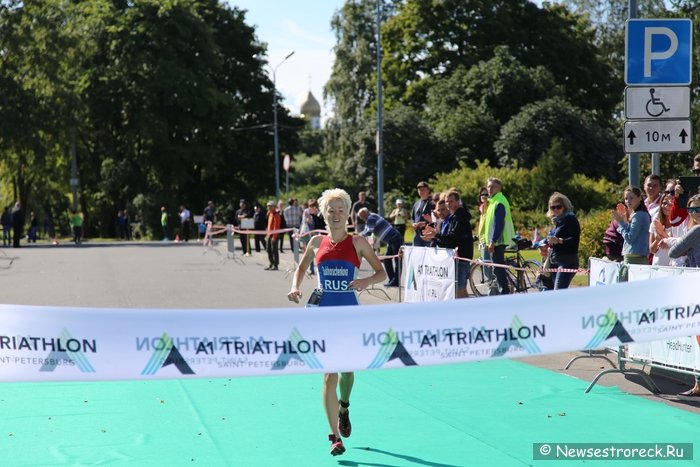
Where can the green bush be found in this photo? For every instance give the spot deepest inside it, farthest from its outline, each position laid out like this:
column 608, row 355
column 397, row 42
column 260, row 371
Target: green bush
column 524, row 189
column 593, row 228
column 527, row 221
column 467, row 180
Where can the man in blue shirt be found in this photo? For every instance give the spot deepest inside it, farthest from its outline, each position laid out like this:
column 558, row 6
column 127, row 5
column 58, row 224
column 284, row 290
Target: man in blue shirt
column 384, row 232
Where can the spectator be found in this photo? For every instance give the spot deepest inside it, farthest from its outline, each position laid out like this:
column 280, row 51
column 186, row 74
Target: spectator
column 384, row 232
column 120, row 224
column 17, row 218
column 283, row 225
column 292, row 217
column 243, row 212
column 33, row 228
column 164, row 222
column 634, row 221
column 652, row 188
column 456, row 233
column 563, row 240
column 398, row 217
column 420, row 214
column 497, row 231
column 6, row 226
column 361, row 202
column 274, row 221
column 185, row 217
column 209, row 213
column 48, row 225
column 435, row 197
column 612, row 242
column 76, row 221
column 127, row 225
column 309, row 220
column 689, row 245
column 482, row 201
column 259, row 223
column 442, row 215
column 678, row 213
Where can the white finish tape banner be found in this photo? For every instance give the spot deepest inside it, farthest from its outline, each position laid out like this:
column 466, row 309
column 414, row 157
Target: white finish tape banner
column 51, row 343
column 682, row 351
column 428, row 274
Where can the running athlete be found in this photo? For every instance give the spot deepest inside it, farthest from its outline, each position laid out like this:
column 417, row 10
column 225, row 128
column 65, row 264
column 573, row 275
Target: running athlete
column 338, row 256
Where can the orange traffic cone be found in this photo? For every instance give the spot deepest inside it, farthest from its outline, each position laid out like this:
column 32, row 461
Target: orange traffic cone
column 177, row 238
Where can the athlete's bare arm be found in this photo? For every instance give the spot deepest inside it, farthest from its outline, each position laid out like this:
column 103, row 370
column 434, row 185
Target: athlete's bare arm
column 294, row 294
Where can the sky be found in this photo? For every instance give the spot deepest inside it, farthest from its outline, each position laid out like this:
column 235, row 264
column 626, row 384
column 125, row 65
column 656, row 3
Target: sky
column 302, row 26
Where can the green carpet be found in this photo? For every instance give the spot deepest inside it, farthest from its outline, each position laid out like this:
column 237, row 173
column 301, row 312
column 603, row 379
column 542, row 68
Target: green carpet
column 476, row 414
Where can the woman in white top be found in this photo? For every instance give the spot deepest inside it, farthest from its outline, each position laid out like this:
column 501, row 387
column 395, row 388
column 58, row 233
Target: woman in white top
column 662, row 235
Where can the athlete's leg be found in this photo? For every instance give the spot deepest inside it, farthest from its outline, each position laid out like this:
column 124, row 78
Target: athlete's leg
column 330, row 401
column 346, row 382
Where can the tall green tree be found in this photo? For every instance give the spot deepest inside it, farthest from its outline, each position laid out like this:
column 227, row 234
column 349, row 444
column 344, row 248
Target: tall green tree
column 429, row 39
column 351, row 90
column 594, row 148
column 467, row 108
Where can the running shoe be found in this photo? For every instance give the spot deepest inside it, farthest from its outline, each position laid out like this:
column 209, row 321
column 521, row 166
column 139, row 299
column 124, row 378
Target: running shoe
column 344, row 425
column 337, row 447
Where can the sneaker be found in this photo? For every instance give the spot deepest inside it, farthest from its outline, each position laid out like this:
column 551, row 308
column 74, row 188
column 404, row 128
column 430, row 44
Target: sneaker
column 344, row 425
column 337, row 447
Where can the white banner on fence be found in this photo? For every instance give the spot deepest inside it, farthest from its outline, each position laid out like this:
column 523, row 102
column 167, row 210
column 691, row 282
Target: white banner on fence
column 51, row 343
column 682, row 351
column 428, row 274
column 603, row 272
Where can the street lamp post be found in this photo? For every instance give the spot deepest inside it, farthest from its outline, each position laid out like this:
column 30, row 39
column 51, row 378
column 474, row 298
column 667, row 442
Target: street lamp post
column 276, row 131
column 380, row 124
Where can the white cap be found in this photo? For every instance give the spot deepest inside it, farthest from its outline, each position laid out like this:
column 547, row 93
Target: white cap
column 399, row 201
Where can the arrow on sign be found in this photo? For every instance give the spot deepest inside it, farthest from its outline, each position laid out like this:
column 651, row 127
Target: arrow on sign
column 631, row 136
column 683, row 135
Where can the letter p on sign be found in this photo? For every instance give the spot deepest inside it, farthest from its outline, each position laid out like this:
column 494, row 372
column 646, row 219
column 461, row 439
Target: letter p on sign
column 649, row 54
column 658, row 51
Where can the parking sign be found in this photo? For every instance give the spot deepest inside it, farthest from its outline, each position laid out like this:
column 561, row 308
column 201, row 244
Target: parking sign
column 658, row 51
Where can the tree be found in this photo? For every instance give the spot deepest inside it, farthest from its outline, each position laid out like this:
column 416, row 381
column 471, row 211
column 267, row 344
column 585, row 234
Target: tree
column 554, row 171
column 429, row 39
column 528, row 134
column 352, row 91
column 166, row 100
column 467, row 108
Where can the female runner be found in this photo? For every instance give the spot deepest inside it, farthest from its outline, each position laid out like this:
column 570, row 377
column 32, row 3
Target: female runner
column 338, row 256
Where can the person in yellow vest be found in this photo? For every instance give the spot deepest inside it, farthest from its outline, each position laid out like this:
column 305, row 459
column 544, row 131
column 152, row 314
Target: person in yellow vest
column 76, row 221
column 497, row 231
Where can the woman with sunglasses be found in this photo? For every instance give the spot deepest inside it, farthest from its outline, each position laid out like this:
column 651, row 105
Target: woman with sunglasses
column 689, row 245
column 482, row 201
column 634, row 222
column 563, row 239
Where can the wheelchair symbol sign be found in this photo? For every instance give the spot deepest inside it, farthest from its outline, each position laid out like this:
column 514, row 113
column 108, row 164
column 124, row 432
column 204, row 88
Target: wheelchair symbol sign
column 657, row 102
column 658, row 51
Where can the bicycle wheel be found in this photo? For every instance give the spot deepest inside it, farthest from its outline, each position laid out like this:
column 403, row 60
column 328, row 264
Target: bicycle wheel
column 478, row 281
column 528, row 277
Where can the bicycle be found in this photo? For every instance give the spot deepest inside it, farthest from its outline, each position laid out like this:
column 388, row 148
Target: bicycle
column 521, row 280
